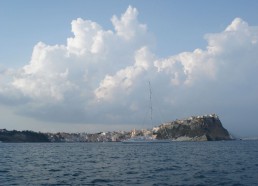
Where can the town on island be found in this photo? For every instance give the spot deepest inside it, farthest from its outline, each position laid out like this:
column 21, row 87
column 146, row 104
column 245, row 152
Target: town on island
column 194, row 128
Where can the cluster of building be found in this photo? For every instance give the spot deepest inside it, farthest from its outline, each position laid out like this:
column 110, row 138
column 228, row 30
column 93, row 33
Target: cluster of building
column 204, row 117
column 114, row 136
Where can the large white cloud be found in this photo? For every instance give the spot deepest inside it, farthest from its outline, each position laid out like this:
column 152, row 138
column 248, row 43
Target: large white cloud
column 227, row 52
column 101, row 76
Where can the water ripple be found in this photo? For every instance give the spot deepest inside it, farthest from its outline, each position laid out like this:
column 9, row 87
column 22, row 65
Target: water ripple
column 211, row 163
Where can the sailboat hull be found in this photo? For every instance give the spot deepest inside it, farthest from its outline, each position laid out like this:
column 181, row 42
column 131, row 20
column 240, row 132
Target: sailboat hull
column 141, row 142
column 144, row 140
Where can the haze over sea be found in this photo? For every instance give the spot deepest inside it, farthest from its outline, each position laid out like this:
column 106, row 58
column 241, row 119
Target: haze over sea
column 176, row 163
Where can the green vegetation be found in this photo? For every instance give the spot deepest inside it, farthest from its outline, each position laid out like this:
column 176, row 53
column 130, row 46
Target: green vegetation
column 22, row 136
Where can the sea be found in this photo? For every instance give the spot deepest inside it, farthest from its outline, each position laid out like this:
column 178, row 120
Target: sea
column 176, row 163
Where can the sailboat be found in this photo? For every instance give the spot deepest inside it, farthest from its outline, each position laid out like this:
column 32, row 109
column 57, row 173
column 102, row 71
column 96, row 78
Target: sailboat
column 145, row 138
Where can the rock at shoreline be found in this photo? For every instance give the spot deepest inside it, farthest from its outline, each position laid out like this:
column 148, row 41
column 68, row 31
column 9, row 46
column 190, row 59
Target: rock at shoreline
column 195, row 128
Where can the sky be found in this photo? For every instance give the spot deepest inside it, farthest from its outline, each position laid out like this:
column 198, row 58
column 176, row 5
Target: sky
column 85, row 66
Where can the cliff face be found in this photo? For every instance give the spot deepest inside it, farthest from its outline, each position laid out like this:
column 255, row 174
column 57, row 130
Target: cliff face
column 195, row 128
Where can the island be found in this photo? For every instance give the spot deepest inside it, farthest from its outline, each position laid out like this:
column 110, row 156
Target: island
column 194, row 128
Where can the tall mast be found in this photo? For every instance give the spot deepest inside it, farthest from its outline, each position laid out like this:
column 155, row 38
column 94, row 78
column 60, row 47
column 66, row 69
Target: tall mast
column 150, row 102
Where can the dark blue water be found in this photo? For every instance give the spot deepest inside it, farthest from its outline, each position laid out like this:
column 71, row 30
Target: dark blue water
column 176, row 163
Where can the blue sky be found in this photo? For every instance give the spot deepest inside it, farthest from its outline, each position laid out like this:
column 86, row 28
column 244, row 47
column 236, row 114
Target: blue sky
column 177, row 25
column 160, row 51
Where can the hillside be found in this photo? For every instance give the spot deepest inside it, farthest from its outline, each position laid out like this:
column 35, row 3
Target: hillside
column 22, row 136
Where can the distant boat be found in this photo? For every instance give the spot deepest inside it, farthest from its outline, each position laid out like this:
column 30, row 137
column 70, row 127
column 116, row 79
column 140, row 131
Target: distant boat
column 147, row 138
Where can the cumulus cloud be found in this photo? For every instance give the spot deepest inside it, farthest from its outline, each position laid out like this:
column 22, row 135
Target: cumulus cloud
column 128, row 26
column 125, row 79
column 101, row 76
column 226, row 52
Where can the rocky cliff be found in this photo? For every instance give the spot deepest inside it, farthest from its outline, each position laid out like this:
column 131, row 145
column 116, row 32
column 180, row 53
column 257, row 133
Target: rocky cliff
column 195, row 128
